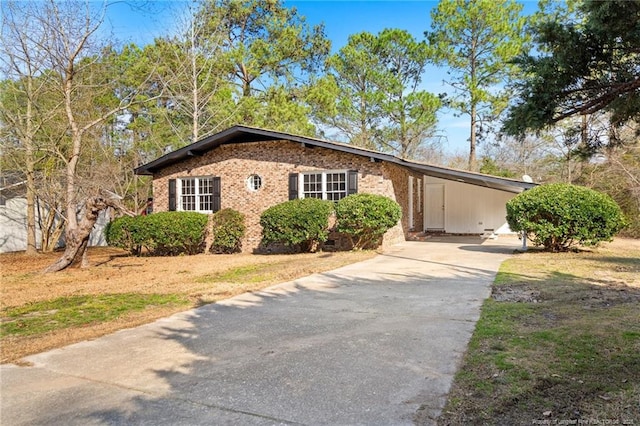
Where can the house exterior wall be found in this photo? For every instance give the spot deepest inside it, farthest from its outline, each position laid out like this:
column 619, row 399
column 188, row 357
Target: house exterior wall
column 273, row 161
column 13, row 227
column 471, row 209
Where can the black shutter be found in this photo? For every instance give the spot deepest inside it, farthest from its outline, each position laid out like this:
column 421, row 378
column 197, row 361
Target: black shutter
column 172, row 195
column 352, row 182
column 216, row 194
column 293, row 186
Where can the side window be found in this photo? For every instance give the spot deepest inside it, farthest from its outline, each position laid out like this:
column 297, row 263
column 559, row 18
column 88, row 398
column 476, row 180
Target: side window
column 199, row 194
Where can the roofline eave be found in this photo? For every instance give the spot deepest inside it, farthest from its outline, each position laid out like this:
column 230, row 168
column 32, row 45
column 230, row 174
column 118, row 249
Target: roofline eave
column 231, row 134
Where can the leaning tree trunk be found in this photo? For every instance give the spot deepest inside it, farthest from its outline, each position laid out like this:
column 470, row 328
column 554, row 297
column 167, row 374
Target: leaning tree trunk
column 77, row 239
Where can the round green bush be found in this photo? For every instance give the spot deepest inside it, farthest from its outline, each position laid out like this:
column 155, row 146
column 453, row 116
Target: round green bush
column 559, row 216
column 227, row 230
column 364, row 218
column 303, row 223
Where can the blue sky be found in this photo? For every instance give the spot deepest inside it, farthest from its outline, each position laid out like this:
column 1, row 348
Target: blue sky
column 140, row 22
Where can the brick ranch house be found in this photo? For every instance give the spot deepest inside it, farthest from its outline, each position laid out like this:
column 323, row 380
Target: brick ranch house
column 250, row 169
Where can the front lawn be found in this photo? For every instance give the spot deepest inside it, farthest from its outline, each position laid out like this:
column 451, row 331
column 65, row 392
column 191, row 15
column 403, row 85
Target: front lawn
column 557, row 343
column 40, row 312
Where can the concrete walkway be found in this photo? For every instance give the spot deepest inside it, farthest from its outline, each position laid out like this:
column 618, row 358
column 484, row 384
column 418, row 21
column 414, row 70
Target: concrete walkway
column 373, row 343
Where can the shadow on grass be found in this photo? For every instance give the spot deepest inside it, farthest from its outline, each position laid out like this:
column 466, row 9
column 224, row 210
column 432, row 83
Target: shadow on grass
column 622, row 264
column 113, row 257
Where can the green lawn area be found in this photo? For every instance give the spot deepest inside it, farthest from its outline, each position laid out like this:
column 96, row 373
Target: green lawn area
column 557, row 343
column 40, row 312
column 79, row 311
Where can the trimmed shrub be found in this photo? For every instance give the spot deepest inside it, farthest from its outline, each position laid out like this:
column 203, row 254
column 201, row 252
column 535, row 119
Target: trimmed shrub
column 127, row 233
column 162, row 234
column 227, row 230
column 559, row 216
column 364, row 218
column 303, row 223
column 117, row 235
column 174, row 233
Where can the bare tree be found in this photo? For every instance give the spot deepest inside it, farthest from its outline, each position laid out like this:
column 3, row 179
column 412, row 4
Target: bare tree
column 50, row 204
column 24, row 64
column 73, row 53
column 193, row 77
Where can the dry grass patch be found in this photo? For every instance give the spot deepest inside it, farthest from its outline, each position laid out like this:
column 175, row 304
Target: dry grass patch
column 40, row 312
column 558, row 343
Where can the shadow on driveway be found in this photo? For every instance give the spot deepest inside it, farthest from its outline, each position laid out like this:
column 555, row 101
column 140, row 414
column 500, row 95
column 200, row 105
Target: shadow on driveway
column 376, row 342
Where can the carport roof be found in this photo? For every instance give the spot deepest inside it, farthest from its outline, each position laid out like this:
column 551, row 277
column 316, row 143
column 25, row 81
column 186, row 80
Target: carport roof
column 243, row 134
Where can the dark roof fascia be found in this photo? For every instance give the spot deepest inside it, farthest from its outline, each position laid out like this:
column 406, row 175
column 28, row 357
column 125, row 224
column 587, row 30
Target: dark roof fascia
column 194, row 149
column 242, row 134
column 463, row 176
column 245, row 134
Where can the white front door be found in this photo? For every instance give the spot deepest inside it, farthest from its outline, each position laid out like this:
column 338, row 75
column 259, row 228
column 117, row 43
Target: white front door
column 434, row 206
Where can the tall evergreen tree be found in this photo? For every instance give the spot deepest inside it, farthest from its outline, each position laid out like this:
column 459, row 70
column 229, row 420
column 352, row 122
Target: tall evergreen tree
column 477, row 39
column 581, row 67
column 379, row 104
column 355, row 70
column 409, row 113
column 270, row 54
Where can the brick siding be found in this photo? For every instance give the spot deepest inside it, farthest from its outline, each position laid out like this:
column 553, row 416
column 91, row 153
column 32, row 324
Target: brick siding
column 273, row 161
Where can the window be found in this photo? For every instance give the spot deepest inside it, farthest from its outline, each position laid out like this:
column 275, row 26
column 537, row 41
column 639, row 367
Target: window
column 312, row 185
column 336, row 186
column 254, row 182
column 196, row 194
column 329, row 185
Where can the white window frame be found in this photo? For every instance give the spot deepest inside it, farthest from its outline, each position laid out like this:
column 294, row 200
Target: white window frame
column 251, row 182
column 197, row 194
column 324, row 174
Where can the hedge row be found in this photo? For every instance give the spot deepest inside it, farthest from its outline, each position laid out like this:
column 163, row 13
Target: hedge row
column 174, row 233
column 555, row 216
column 302, row 224
column 161, row 234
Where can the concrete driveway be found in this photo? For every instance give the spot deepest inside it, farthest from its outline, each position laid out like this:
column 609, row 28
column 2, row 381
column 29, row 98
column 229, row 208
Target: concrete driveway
column 377, row 342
